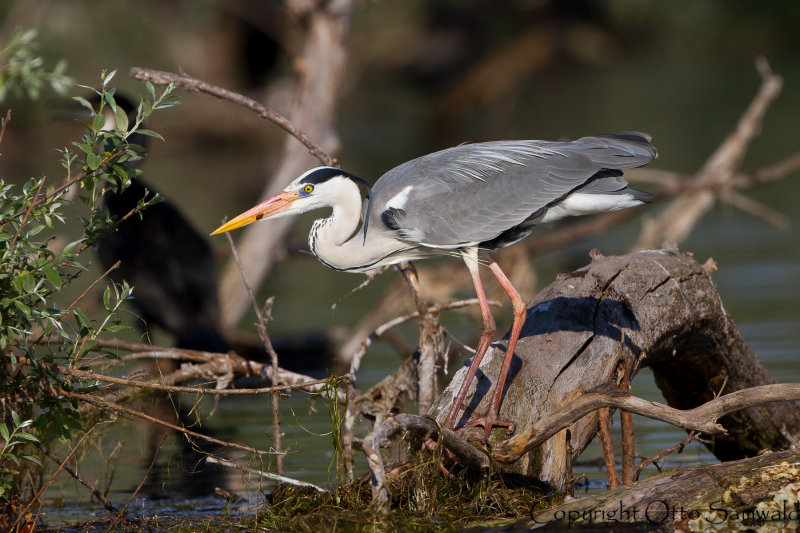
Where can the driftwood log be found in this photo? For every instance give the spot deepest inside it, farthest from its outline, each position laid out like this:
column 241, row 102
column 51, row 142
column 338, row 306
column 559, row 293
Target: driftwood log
column 657, row 308
column 734, row 496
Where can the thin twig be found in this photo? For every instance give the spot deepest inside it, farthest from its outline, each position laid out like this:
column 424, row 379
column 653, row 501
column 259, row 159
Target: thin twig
column 72, row 181
column 92, row 284
column 141, row 483
column 40, row 493
column 159, row 77
column 660, row 455
column 262, row 332
column 96, row 493
column 756, row 208
column 383, row 328
column 114, row 407
column 269, row 475
column 27, row 212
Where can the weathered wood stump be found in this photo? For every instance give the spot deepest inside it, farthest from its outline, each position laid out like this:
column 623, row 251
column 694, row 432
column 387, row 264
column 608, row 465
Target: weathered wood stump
column 658, row 308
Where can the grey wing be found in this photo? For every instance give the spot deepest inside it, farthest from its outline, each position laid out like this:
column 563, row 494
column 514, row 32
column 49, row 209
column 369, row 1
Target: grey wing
column 472, row 193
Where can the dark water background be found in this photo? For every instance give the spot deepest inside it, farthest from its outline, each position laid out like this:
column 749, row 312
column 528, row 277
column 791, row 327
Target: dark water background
column 683, row 73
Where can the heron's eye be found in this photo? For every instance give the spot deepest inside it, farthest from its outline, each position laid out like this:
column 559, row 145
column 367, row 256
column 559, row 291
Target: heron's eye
column 308, row 189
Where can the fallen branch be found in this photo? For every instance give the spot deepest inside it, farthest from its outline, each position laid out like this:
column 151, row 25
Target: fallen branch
column 655, row 308
column 702, row 418
column 212, row 364
column 717, row 497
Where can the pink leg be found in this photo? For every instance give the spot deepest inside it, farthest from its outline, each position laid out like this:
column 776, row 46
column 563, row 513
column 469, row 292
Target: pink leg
column 490, row 420
column 487, row 332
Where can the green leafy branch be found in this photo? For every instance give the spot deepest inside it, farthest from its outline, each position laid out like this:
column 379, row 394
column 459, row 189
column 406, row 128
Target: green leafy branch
column 23, row 72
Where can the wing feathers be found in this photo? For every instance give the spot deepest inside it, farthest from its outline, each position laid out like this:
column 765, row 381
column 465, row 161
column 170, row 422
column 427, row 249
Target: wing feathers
column 473, row 193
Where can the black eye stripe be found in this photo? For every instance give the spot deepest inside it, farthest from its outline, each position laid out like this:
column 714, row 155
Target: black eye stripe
column 323, row 174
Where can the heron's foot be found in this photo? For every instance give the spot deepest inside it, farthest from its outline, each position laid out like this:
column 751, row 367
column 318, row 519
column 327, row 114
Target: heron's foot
column 490, row 421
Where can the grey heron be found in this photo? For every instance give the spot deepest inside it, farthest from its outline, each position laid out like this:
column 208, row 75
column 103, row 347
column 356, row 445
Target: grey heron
column 461, row 201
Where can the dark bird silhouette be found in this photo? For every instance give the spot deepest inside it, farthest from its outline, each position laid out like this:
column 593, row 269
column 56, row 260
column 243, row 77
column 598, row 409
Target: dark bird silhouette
column 169, row 264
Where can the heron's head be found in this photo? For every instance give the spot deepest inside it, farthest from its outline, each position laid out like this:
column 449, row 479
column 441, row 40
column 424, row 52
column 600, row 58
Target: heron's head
column 319, row 187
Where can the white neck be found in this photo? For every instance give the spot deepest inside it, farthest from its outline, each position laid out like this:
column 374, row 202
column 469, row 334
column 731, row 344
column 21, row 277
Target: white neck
column 336, row 243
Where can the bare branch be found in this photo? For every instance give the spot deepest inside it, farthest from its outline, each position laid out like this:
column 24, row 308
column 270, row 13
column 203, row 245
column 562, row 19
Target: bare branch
column 702, row 418
column 186, row 390
column 159, row 77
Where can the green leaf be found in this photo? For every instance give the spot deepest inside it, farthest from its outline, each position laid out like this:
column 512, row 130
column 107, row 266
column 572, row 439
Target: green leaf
column 32, row 459
column 15, row 418
column 24, row 308
column 150, row 133
column 83, row 321
column 28, row 282
column 84, row 102
column 98, row 121
column 67, row 251
column 93, row 160
column 167, row 104
column 4, row 431
column 109, row 77
column 53, row 277
column 121, row 118
column 107, row 298
column 27, row 437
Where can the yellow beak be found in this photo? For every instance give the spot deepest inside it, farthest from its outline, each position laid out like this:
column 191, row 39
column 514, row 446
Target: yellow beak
column 277, row 204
